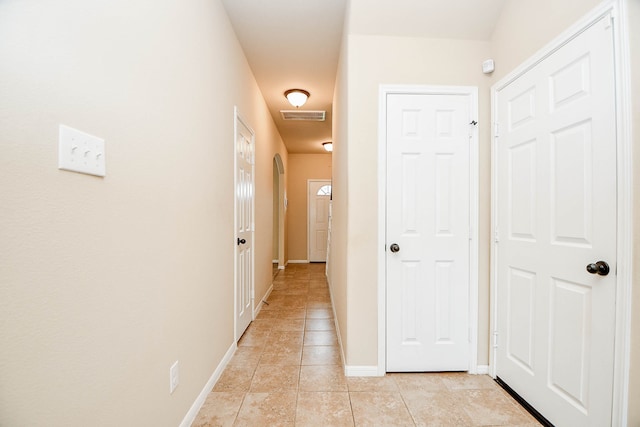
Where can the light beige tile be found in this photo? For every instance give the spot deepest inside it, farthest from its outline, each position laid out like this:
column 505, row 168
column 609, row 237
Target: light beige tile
column 272, row 378
column 320, row 338
column 268, row 314
column 320, row 313
column 379, row 409
column 385, row 383
column 322, row 378
column 321, row 355
column 268, row 409
column 281, row 358
column 254, row 338
column 271, row 357
column 260, row 325
column 324, row 409
column 234, row 378
column 286, row 337
column 288, row 325
column 246, row 356
column 418, row 381
column 436, row 408
column 220, row 409
column 285, row 347
column 492, row 407
column 320, row 325
column 464, row 381
column 298, row 313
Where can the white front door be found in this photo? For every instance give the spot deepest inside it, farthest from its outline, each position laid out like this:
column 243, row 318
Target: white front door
column 318, row 218
column 428, row 232
column 244, row 221
column 556, row 214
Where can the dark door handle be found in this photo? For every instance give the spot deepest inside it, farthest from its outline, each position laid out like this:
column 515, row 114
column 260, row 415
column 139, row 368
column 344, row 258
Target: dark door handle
column 394, row 248
column 241, row 241
column 600, row 268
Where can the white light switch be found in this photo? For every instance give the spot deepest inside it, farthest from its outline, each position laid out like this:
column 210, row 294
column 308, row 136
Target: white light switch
column 81, row 152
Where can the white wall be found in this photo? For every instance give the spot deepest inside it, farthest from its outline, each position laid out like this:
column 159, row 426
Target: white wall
column 105, row 282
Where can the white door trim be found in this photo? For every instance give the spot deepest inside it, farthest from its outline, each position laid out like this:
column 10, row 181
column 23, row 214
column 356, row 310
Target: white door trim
column 309, row 181
column 617, row 9
column 472, row 92
column 237, row 117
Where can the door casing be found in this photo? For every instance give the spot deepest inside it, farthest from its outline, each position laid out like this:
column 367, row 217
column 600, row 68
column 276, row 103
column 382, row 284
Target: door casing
column 617, row 9
column 237, row 118
column 472, row 93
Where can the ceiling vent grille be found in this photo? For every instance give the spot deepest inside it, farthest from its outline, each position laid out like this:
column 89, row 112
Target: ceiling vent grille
column 310, row 115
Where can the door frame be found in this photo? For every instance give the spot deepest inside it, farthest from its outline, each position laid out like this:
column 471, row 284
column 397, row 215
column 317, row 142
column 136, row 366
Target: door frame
column 472, row 93
column 309, row 181
column 622, row 346
column 281, row 209
column 237, row 118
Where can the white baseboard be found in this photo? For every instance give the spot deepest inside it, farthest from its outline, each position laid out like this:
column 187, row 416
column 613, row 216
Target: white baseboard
column 482, row 370
column 298, row 261
column 361, row 371
column 281, row 267
column 275, row 261
column 195, row 408
column 257, row 309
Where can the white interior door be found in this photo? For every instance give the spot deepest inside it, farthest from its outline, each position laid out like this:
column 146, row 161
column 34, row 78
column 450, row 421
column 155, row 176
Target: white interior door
column 556, row 214
column 318, row 218
column 244, row 221
column 428, row 232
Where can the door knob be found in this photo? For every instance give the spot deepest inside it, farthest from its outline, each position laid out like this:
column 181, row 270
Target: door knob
column 600, row 268
column 241, row 241
column 394, row 248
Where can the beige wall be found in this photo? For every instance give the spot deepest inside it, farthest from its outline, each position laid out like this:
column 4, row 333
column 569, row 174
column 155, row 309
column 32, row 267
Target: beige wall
column 525, row 26
column 302, row 167
column 372, row 61
column 337, row 266
column 105, row 282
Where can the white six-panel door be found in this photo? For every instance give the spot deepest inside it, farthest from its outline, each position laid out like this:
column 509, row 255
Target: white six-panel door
column 556, row 213
column 244, row 221
column 427, row 232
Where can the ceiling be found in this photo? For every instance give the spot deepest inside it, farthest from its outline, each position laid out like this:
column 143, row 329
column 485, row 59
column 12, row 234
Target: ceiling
column 296, row 44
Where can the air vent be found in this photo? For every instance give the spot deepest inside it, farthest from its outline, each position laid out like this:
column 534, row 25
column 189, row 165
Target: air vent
column 314, row 116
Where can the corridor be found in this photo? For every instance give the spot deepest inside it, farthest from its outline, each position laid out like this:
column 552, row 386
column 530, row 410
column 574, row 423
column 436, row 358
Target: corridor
column 287, row 371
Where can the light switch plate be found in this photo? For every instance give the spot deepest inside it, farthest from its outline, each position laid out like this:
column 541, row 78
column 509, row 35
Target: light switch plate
column 81, row 152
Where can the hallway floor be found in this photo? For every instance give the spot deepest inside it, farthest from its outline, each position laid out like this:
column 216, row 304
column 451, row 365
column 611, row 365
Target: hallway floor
column 287, row 371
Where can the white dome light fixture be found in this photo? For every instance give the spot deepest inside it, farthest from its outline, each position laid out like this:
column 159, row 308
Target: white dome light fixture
column 297, row 97
column 328, row 146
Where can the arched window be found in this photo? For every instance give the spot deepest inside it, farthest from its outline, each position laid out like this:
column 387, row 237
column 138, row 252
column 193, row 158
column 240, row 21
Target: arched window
column 325, row 190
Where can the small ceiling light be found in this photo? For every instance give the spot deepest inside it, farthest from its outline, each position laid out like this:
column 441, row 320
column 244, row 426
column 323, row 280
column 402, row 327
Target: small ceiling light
column 297, row 97
column 327, row 146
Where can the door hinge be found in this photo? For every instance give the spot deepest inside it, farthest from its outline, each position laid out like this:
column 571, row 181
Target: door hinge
column 496, row 236
column 496, row 130
column 495, row 340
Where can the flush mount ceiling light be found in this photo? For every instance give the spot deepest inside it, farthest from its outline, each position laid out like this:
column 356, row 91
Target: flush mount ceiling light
column 327, row 146
column 297, row 97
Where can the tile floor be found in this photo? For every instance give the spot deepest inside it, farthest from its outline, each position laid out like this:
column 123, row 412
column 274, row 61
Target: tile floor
column 287, row 371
